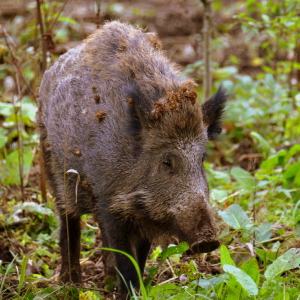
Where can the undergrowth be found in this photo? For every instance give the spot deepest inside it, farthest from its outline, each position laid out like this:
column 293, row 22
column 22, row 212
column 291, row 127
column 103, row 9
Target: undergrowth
column 253, row 173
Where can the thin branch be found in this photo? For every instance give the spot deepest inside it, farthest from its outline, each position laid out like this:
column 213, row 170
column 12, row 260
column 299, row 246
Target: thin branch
column 55, row 20
column 98, row 13
column 44, row 67
column 15, row 61
column 20, row 137
column 44, row 42
column 207, row 28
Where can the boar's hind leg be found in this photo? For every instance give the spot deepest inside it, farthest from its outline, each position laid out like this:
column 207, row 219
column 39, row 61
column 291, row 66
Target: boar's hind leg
column 70, row 249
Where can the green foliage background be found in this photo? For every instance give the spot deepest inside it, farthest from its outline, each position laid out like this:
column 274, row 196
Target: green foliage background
column 258, row 206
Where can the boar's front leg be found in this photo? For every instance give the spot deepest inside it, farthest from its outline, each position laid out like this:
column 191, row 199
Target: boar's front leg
column 142, row 249
column 70, row 249
column 121, row 237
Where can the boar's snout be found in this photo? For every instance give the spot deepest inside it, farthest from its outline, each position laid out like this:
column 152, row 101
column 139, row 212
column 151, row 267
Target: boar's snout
column 206, row 243
column 197, row 228
column 205, row 240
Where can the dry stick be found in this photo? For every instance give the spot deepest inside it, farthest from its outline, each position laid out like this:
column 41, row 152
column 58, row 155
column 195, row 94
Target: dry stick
column 20, row 137
column 44, row 45
column 207, row 28
column 98, row 14
column 65, row 196
column 18, row 71
column 55, row 20
column 44, row 66
column 15, row 61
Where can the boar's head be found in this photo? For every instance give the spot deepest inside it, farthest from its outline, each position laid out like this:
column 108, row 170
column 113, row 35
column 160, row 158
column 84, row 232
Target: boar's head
column 170, row 192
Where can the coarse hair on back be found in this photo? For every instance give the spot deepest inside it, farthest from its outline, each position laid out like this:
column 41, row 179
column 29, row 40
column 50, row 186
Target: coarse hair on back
column 123, row 54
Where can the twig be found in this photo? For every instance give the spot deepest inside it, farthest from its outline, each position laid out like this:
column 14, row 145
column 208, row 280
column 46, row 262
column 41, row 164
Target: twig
column 44, row 67
column 15, row 61
column 20, row 138
column 44, row 45
column 207, row 27
column 287, row 146
column 98, row 13
column 275, row 239
column 55, row 20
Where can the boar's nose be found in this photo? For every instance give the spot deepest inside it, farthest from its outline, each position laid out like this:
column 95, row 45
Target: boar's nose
column 206, row 243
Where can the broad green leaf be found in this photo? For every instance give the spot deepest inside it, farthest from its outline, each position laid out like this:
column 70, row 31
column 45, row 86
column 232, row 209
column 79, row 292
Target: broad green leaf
column 252, row 269
column 262, row 143
column 179, row 249
column 212, row 282
column 3, row 141
column 222, row 177
column 266, row 18
column 37, row 208
column 29, row 111
column 292, row 174
column 287, row 261
column 266, row 256
column 3, row 132
column 295, row 149
column 225, row 256
column 263, row 232
column 243, row 279
column 269, row 289
column 224, row 73
column 234, row 290
column 282, row 295
column 243, row 177
column 67, row 20
column 235, row 217
column 9, row 169
column 155, row 254
column 6, row 109
column 157, row 291
column 274, row 160
column 218, row 195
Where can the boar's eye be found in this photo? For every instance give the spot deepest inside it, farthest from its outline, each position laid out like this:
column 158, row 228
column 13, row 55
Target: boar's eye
column 167, row 162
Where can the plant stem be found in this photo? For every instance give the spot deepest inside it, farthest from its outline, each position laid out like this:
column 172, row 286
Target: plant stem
column 207, row 28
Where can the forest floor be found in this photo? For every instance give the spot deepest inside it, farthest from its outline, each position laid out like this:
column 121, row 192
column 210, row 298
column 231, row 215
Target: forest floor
column 31, row 230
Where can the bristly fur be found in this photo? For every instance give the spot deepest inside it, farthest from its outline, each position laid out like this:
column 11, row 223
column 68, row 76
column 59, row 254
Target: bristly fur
column 123, row 116
column 212, row 111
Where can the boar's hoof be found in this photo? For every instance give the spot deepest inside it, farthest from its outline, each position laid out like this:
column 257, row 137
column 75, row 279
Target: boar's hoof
column 74, row 278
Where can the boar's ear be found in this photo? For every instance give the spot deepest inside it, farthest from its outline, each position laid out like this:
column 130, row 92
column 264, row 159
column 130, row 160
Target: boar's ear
column 212, row 111
column 139, row 108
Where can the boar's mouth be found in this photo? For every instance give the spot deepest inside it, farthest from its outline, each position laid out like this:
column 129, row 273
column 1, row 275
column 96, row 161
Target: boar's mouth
column 206, row 242
column 205, row 246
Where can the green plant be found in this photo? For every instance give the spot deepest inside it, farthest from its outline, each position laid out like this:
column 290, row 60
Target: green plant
column 275, row 23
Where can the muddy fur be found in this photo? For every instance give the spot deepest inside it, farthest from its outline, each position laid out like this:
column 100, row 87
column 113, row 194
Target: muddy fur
column 123, row 116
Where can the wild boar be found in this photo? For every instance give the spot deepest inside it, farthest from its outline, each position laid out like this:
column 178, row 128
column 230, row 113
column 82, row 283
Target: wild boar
column 117, row 111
